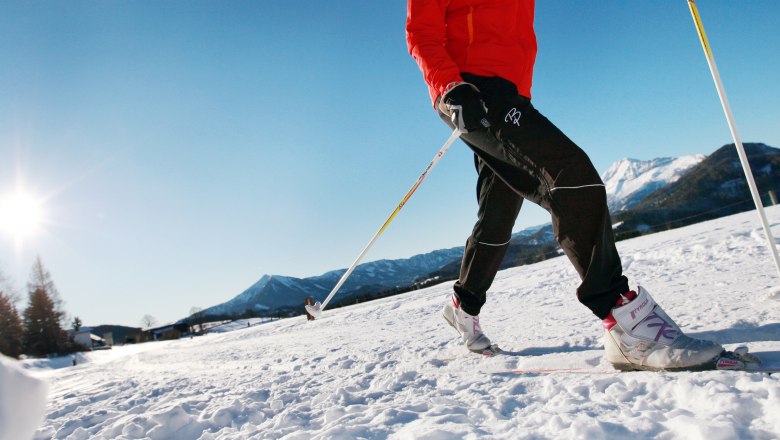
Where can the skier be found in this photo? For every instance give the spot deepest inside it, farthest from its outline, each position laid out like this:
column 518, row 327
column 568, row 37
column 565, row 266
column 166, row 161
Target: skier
column 477, row 58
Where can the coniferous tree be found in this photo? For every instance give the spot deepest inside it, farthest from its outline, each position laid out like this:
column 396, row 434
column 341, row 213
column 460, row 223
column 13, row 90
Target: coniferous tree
column 76, row 324
column 43, row 334
column 11, row 331
column 40, row 278
column 43, row 330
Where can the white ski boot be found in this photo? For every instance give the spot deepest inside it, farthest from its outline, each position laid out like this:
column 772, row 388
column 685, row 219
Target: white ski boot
column 468, row 328
column 641, row 336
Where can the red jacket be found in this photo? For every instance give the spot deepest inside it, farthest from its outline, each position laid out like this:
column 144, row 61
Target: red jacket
column 481, row 37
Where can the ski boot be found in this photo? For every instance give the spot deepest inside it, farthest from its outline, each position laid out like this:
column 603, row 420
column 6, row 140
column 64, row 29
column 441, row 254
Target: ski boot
column 639, row 335
column 468, row 328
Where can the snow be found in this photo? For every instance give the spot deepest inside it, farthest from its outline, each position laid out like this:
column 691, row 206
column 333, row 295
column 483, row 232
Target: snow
column 22, row 401
column 237, row 325
column 393, row 369
column 628, row 181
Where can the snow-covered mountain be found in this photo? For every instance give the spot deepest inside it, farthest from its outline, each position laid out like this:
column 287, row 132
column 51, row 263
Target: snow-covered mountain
column 393, row 369
column 276, row 292
column 272, row 293
column 541, row 234
column 628, row 181
column 713, row 188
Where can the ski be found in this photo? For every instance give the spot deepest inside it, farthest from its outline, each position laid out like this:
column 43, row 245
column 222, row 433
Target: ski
column 545, row 371
column 739, row 360
column 489, row 351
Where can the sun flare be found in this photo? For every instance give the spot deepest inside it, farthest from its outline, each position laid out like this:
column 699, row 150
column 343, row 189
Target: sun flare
column 20, row 215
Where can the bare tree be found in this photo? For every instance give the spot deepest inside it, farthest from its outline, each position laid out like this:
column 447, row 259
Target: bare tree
column 148, row 321
column 7, row 288
column 196, row 318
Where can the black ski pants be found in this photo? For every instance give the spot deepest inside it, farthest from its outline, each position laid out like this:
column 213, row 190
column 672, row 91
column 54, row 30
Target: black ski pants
column 524, row 156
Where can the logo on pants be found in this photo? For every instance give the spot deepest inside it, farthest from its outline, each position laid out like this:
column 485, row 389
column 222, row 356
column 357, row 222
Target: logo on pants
column 513, row 116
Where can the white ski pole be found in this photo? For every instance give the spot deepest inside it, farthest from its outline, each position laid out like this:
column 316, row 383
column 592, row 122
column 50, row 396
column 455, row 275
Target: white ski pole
column 316, row 309
column 732, row 126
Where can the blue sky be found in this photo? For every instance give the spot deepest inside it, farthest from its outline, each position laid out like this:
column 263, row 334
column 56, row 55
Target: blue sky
column 181, row 150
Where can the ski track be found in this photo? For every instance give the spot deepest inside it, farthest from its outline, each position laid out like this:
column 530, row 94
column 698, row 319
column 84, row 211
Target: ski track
column 393, row 369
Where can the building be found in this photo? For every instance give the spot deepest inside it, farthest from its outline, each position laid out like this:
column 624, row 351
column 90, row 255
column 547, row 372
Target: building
column 85, row 338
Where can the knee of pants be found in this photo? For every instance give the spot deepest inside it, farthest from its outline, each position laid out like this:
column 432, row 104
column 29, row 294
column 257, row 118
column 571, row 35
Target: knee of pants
column 495, row 224
column 499, row 206
column 492, row 236
column 479, row 265
column 586, row 205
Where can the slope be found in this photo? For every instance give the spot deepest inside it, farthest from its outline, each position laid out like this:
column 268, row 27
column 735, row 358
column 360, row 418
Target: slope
column 392, row 368
column 713, row 188
column 629, row 181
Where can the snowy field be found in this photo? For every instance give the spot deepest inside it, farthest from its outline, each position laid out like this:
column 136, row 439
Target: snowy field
column 392, row 368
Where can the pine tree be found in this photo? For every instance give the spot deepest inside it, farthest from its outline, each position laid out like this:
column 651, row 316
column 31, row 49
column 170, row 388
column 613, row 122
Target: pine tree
column 11, row 331
column 43, row 332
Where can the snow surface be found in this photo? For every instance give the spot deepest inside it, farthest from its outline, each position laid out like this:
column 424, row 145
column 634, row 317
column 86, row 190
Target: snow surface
column 238, row 324
column 22, row 401
column 392, row 368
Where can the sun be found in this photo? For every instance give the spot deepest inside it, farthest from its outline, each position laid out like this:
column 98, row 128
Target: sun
column 20, row 215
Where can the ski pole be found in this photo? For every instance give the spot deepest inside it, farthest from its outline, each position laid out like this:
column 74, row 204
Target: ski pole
column 733, row 128
column 317, row 308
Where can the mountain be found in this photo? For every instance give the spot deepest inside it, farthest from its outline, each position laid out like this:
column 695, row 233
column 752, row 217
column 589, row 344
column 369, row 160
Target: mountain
column 277, row 294
column 274, row 294
column 528, row 246
column 628, row 181
column 713, row 188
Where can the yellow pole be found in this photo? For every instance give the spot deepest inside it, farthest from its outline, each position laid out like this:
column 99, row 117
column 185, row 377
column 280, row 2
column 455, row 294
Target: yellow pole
column 734, row 134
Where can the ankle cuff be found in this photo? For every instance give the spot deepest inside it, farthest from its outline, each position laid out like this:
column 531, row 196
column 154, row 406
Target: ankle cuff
column 632, row 313
column 470, row 303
